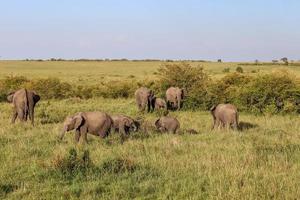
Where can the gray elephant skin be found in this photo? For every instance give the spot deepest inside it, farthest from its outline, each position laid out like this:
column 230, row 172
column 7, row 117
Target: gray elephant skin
column 225, row 115
column 23, row 101
column 124, row 124
column 160, row 104
column 167, row 124
column 95, row 123
column 174, row 96
column 144, row 97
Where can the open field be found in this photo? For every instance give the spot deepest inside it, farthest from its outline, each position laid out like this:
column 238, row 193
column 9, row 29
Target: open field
column 260, row 162
column 89, row 72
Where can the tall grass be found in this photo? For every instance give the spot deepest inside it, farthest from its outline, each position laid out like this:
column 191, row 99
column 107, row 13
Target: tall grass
column 261, row 162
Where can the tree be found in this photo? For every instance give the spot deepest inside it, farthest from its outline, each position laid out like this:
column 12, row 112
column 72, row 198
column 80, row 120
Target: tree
column 285, row 60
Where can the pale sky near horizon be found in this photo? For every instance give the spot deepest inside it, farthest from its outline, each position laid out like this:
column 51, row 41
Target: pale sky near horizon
column 233, row 30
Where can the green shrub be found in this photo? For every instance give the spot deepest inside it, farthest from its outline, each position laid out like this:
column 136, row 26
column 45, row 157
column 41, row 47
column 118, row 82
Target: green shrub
column 193, row 79
column 239, row 69
column 261, row 93
column 73, row 164
column 226, row 70
column 10, row 84
column 50, row 88
column 227, row 89
column 118, row 165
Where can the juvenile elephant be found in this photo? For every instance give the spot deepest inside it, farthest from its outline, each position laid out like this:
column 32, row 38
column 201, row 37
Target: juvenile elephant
column 144, row 97
column 174, row 96
column 160, row 104
column 23, row 101
column 95, row 123
column 124, row 124
column 167, row 124
column 225, row 115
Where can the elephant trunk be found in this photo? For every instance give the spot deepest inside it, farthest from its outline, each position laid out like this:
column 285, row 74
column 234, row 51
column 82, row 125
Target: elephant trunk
column 179, row 103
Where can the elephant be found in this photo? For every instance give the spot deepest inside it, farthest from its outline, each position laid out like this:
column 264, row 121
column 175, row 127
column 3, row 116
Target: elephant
column 124, row 124
column 23, row 101
column 160, row 104
column 225, row 115
column 174, row 96
column 144, row 97
column 167, row 124
column 95, row 123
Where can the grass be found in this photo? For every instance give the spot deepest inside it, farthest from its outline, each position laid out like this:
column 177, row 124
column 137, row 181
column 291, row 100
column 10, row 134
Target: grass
column 91, row 72
column 260, row 162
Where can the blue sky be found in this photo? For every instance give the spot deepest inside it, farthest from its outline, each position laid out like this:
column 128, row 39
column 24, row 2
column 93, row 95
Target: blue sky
column 233, row 30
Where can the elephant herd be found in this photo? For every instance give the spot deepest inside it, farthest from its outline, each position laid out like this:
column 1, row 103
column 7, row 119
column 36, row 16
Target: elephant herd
column 145, row 97
column 101, row 124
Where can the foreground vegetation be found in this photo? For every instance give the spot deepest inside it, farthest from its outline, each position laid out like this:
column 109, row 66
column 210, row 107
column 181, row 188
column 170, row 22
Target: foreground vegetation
column 261, row 161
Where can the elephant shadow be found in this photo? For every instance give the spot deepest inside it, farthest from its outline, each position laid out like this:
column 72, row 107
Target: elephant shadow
column 246, row 126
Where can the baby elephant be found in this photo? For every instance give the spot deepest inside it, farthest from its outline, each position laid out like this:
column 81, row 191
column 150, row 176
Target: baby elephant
column 160, row 104
column 225, row 115
column 124, row 124
column 95, row 123
column 167, row 124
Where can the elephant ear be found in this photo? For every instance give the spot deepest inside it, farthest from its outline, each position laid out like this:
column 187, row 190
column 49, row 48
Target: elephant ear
column 213, row 108
column 183, row 93
column 157, row 123
column 78, row 121
column 126, row 122
column 10, row 97
column 36, row 97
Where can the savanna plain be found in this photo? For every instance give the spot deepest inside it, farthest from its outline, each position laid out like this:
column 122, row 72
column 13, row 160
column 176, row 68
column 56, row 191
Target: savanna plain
column 261, row 161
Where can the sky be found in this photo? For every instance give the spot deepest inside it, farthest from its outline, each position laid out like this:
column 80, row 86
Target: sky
column 231, row 30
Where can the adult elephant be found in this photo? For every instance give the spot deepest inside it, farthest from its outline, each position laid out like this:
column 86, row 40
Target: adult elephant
column 174, row 96
column 225, row 115
column 124, row 124
column 95, row 123
column 23, row 101
column 144, row 97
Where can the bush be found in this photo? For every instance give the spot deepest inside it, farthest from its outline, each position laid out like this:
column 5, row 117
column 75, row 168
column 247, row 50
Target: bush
column 50, row 88
column 239, row 69
column 183, row 75
column 73, row 164
column 261, row 93
column 226, row 70
column 10, row 84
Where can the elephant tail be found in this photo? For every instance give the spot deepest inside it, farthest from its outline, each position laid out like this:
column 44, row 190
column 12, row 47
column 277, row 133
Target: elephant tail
column 26, row 106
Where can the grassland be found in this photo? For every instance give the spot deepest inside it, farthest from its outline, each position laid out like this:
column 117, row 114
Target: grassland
column 259, row 162
column 90, row 72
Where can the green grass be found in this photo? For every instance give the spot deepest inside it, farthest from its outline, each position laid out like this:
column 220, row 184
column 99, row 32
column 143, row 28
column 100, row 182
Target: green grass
column 262, row 162
column 93, row 72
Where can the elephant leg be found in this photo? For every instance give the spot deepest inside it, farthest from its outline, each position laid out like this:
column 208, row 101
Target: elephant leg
column 31, row 115
column 217, row 124
column 214, row 124
column 77, row 136
column 83, row 132
column 14, row 116
column 21, row 115
column 235, row 126
column 102, row 134
column 85, row 137
column 178, row 105
column 148, row 107
column 122, row 129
